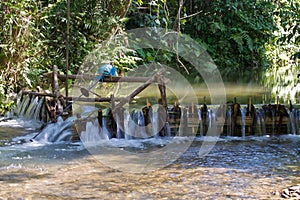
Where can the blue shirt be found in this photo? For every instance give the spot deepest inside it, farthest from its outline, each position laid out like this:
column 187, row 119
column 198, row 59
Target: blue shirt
column 106, row 70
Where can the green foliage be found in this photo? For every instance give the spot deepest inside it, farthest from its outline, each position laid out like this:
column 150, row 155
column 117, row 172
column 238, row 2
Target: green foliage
column 234, row 33
column 19, row 43
column 283, row 52
column 5, row 106
column 244, row 38
column 33, row 36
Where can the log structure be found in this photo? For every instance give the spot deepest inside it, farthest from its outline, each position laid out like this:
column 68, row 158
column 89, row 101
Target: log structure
column 186, row 120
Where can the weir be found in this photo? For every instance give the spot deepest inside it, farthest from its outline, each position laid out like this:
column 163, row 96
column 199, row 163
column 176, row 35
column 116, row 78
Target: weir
column 160, row 120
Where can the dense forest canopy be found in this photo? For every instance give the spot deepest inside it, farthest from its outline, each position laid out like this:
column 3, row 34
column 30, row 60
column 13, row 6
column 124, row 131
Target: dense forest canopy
column 250, row 41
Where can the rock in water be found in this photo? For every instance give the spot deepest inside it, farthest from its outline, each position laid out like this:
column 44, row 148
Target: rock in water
column 292, row 192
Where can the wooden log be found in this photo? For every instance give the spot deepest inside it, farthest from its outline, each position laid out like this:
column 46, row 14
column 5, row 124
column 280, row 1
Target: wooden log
column 162, row 90
column 25, row 92
column 107, row 79
column 102, row 99
column 100, row 117
column 141, row 88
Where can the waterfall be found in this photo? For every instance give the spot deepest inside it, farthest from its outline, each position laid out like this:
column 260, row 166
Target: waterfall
column 229, row 115
column 119, row 129
column 297, row 121
column 154, row 121
column 292, row 124
column 263, row 124
column 93, row 133
column 36, row 114
column 258, row 123
column 273, row 121
column 212, row 121
column 136, row 125
column 243, row 122
column 31, row 108
column 18, row 107
column 104, row 127
column 200, row 122
column 23, row 106
column 56, row 132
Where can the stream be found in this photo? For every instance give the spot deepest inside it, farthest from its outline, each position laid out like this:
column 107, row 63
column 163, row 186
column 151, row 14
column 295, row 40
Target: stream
column 251, row 167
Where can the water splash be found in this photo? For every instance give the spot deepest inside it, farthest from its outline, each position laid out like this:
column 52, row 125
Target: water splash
column 61, row 131
column 93, row 133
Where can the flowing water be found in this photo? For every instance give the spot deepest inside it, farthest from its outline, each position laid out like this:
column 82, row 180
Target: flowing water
column 236, row 168
column 46, row 164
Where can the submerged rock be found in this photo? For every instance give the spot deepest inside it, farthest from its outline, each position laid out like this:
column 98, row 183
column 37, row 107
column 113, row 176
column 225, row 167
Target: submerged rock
column 292, row 192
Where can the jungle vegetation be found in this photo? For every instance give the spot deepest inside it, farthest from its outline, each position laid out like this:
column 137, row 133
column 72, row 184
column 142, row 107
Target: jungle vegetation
column 250, row 41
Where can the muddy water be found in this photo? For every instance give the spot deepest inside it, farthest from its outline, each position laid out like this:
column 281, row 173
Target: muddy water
column 249, row 168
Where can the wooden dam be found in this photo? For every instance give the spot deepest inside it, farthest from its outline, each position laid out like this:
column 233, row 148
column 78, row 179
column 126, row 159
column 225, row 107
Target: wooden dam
column 171, row 119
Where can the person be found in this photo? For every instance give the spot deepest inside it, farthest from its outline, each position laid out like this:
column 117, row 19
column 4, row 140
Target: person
column 106, row 70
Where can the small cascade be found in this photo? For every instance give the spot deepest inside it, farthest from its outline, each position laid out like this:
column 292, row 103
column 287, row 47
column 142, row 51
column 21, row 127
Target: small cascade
column 263, row 124
column 243, row 122
column 294, row 116
column 273, row 121
column 297, row 122
column 36, row 115
column 18, row 107
column 292, row 124
column 201, row 122
column 61, row 131
column 212, row 121
column 168, row 129
column 154, row 121
column 93, row 133
column 31, row 108
column 136, row 125
column 229, row 117
column 105, row 130
column 23, row 106
column 258, row 129
column 119, row 129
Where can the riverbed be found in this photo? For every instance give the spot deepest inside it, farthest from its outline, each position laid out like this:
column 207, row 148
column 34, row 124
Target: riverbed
column 235, row 168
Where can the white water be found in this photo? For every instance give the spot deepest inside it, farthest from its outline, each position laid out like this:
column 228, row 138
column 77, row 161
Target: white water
column 243, row 112
column 56, row 132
